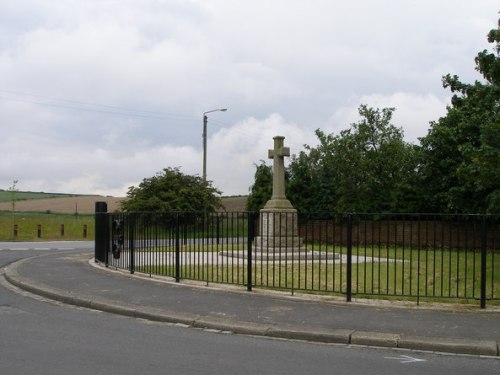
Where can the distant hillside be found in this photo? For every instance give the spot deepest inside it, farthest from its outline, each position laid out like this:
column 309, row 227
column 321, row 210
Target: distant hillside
column 6, row 195
column 85, row 204
column 82, row 204
column 235, row 204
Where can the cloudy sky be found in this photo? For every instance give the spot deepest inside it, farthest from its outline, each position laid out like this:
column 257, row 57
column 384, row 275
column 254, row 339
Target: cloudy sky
column 96, row 95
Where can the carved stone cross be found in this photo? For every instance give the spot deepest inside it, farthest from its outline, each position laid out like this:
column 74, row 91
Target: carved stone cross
column 278, row 199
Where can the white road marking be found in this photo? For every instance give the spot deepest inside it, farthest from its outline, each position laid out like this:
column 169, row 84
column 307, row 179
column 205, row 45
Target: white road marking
column 406, row 359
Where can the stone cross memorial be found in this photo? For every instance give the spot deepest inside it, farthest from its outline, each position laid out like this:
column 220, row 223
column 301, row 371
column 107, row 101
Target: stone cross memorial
column 278, row 153
column 278, row 229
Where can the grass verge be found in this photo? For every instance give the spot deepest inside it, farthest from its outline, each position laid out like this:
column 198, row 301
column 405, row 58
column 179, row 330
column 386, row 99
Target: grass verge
column 27, row 225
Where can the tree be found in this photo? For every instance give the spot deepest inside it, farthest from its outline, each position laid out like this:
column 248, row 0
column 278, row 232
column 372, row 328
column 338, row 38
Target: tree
column 262, row 188
column 460, row 156
column 308, row 189
column 368, row 159
column 171, row 190
column 362, row 169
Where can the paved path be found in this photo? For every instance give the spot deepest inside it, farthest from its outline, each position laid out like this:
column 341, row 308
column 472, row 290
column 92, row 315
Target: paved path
column 236, row 258
column 68, row 276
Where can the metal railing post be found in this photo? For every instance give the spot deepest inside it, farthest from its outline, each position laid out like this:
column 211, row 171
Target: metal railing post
column 483, row 261
column 349, row 259
column 101, row 232
column 131, row 241
column 250, row 236
column 177, row 249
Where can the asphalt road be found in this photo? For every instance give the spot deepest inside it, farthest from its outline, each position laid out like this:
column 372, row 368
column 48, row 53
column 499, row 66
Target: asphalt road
column 43, row 337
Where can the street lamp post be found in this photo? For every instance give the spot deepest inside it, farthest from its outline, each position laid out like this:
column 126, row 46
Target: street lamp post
column 205, row 121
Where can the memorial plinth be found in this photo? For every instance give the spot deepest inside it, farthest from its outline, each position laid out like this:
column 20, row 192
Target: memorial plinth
column 278, row 231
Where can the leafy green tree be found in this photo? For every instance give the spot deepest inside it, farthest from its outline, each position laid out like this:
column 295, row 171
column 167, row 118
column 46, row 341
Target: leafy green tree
column 262, row 189
column 362, row 169
column 307, row 182
column 171, row 190
column 368, row 157
column 460, row 166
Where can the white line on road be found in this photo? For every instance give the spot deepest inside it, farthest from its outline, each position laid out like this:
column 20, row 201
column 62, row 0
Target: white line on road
column 406, row 359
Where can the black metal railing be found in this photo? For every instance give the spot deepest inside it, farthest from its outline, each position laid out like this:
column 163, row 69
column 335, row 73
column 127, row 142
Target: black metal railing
column 413, row 256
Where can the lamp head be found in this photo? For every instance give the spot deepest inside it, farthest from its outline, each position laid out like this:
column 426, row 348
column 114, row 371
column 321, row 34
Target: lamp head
column 215, row 110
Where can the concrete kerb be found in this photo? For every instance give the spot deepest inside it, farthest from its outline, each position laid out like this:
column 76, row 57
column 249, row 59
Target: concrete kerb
column 331, row 336
column 334, row 336
column 389, row 340
column 458, row 346
column 238, row 327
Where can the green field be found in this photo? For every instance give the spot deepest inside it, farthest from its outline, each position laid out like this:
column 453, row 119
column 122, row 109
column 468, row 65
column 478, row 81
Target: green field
column 50, row 226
